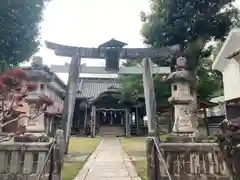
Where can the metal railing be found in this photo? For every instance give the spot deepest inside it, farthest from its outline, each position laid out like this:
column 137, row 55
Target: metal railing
column 155, row 158
column 160, row 158
column 50, row 156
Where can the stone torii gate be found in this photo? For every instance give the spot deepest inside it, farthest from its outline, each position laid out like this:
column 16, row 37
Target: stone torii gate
column 111, row 51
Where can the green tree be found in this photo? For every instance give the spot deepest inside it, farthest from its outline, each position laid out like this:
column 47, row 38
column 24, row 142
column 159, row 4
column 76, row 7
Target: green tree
column 19, row 29
column 209, row 83
column 191, row 24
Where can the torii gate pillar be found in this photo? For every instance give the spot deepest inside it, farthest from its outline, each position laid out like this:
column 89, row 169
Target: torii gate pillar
column 69, row 102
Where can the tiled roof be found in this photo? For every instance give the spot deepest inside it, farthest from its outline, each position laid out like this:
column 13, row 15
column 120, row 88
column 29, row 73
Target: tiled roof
column 92, row 87
column 218, row 99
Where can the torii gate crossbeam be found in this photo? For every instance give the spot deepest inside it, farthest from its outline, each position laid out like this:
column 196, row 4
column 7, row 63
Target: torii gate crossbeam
column 101, row 70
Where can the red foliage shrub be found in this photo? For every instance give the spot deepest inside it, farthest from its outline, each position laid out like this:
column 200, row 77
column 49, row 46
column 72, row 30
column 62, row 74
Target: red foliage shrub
column 14, row 88
column 13, row 77
column 9, row 81
column 32, row 87
column 46, row 100
column 17, row 73
column 43, row 103
column 21, row 96
column 2, row 86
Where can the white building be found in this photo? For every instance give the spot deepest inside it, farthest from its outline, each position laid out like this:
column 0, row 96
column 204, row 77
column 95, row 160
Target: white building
column 218, row 110
column 228, row 63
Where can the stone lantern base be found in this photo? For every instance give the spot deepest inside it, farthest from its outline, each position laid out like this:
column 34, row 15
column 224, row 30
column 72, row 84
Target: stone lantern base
column 36, row 125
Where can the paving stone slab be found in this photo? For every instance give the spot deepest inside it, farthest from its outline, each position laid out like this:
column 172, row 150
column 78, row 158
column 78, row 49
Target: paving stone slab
column 108, row 162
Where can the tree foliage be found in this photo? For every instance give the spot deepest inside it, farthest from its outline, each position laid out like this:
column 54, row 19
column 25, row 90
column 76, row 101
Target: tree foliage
column 14, row 87
column 189, row 23
column 192, row 25
column 209, row 84
column 19, row 29
column 209, row 81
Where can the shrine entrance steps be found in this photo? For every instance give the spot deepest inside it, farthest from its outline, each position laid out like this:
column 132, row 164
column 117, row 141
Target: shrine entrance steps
column 111, row 131
column 108, row 162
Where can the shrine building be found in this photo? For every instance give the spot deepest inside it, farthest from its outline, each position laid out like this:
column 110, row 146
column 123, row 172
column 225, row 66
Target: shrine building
column 113, row 116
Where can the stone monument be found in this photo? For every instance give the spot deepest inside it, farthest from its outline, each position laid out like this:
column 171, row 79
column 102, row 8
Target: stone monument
column 183, row 98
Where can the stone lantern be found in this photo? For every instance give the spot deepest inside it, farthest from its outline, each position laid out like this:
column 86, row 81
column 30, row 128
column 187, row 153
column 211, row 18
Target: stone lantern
column 37, row 75
column 183, row 97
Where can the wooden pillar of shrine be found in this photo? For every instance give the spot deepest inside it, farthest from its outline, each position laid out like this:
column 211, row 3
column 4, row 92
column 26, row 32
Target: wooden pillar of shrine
column 93, row 121
column 206, row 121
column 122, row 118
column 85, row 118
column 137, row 120
column 127, row 122
column 50, row 124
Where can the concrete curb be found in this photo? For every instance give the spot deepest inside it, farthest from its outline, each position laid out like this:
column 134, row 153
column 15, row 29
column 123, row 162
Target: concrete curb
column 129, row 166
column 82, row 174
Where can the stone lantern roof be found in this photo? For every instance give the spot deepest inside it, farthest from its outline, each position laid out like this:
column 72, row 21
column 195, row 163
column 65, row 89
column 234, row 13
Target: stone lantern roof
column 181, row 76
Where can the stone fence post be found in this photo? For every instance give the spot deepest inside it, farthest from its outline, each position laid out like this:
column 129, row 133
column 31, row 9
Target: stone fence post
column 59, row 152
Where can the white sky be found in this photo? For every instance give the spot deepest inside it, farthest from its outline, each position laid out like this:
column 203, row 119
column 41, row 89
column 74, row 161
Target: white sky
column 90, row 23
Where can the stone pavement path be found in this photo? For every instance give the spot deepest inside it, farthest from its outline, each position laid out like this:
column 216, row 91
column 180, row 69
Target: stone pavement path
column 108, row 162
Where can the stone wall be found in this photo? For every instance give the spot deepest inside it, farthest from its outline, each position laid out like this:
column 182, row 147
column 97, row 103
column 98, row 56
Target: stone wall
column 22, row 160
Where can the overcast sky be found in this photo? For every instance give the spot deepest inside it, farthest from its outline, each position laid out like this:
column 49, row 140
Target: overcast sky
column 90, row 23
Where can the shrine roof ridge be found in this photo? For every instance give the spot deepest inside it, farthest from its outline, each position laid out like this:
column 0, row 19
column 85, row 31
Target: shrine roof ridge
column 98, row 78
column 89, row 88
column 103, row 78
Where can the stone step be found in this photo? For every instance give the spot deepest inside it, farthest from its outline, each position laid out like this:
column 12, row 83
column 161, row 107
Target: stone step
column 111, row 130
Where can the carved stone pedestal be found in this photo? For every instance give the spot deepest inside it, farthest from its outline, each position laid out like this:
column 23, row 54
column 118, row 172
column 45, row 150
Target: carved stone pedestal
column 36, row 125
column 183, row 124
column 179, row 138
column 31, row 137
column 35, row 131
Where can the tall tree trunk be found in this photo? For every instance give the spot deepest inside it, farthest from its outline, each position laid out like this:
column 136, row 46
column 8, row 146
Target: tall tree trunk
column 192, row 52
column 206, row 122
column 193, row 107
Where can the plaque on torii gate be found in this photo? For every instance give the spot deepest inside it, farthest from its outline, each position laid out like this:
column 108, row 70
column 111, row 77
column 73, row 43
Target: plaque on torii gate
column 112, row 51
